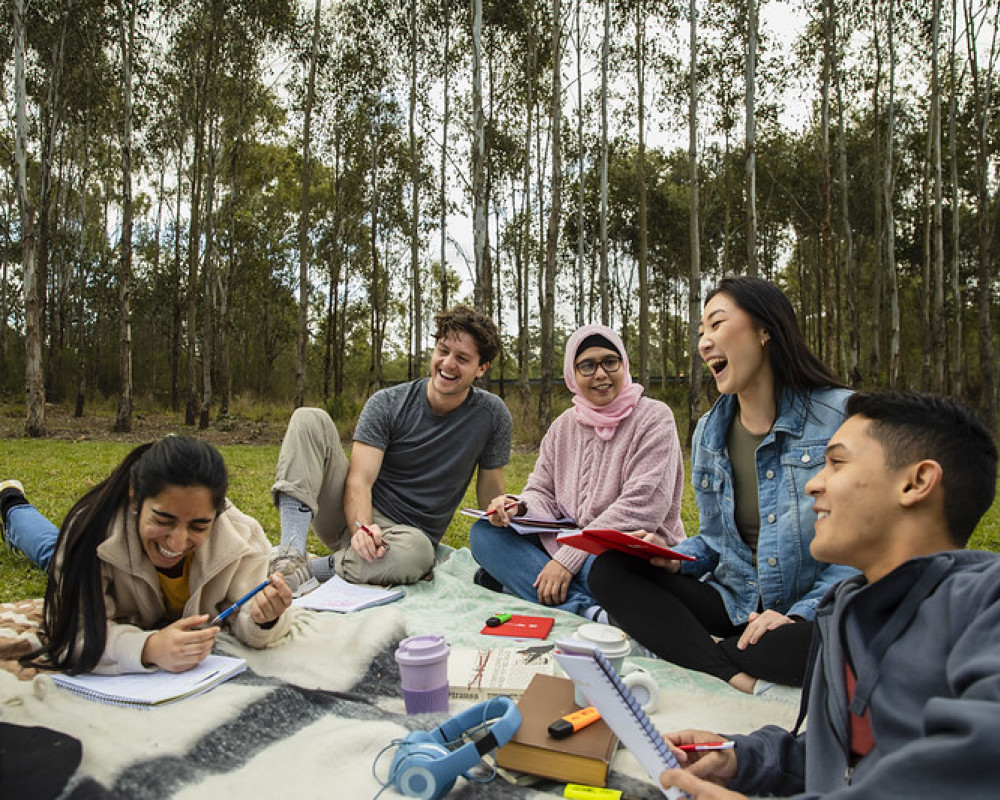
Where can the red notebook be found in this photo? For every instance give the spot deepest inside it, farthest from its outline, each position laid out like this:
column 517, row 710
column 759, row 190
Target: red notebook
column 522, row 627
column 597, row 540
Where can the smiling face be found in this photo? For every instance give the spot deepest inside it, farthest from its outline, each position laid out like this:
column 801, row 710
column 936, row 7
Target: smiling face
column 734, row 347
column 454, row 366
column 602, row 387
column 175, row 522
column 856, row 500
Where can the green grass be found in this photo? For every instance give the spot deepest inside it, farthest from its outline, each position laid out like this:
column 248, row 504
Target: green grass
column 56, row 472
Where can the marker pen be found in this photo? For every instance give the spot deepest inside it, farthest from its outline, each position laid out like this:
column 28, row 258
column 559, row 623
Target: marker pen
column 571, row 723
column 498, row 619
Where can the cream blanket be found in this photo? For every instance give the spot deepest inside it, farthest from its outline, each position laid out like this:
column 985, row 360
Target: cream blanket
column 312, row 715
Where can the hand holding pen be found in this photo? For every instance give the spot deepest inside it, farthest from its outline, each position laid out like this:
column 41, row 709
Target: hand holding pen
column 367, row 541
column 499, row 508
column 270, row 599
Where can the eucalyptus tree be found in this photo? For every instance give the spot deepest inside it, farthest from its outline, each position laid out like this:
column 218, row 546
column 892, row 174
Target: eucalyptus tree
column 34, row 379
column 127, row 44
column 982, row 19
column 694, row 275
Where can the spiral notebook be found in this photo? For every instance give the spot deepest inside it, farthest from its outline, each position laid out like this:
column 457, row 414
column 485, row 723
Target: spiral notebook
column 152, row 689
column 599, row 681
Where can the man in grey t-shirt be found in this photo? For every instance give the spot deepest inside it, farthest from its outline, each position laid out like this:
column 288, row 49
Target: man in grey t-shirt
column 416, row 447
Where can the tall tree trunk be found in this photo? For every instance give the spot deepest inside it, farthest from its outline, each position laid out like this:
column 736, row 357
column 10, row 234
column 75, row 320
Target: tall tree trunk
column 555, row 215
column 81, row 280
column 123, row 419
column 875, row 355
column 483, row 282
column 445, row 118
column 825, row 229
column 694, row 278
column 305, row 249
column 640, row 75
column 605, row 49
column 853, row 347
column 415, row 288
column 176, row 307
column 888, row 192
column 938, row 318
column 34, row 377
column 957, row 306
column 982, row 85
column 524, row 272
column 209, row 283
column 750, row 176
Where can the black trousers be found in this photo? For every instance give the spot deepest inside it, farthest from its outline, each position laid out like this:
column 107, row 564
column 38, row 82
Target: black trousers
column 677, row 616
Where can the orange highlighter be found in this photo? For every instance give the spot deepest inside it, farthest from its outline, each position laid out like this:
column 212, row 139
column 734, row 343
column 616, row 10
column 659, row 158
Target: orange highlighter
column 571, row 723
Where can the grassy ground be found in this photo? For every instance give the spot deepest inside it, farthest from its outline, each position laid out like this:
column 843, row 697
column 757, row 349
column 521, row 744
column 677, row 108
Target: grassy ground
column 56, row 472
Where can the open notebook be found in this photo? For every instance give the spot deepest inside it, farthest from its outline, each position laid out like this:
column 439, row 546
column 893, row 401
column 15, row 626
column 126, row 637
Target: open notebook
column 599, row 681
column 151, row 689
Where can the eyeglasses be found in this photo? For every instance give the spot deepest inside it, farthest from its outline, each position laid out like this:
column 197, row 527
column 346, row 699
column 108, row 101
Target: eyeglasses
column 609, row 364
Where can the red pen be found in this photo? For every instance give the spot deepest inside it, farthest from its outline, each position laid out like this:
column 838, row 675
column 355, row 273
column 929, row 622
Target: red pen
column 368, row 530
column 698, row 748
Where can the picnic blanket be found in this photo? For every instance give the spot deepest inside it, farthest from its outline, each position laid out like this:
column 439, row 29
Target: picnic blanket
column 319, row 711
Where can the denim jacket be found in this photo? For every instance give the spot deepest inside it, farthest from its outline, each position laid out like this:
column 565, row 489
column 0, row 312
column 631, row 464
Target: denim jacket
column 786, row 577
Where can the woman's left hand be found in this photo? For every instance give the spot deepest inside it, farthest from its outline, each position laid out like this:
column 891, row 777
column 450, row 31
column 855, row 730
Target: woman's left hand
column 271, row 602
column 552, row 583
column 760, row 624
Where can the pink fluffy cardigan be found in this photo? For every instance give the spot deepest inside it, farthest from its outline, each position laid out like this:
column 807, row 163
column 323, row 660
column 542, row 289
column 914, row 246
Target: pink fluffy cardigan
column 632, row 481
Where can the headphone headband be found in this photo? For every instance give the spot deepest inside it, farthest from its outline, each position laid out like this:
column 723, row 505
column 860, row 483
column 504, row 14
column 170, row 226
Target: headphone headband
column 425, row 767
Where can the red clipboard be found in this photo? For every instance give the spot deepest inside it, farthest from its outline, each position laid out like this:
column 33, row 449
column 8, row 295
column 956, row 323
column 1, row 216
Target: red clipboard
column 598, row 540
column 522, row 627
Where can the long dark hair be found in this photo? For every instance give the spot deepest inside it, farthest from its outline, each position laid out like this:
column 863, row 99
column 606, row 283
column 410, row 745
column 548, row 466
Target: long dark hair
column 794, row 365
column 76, row 622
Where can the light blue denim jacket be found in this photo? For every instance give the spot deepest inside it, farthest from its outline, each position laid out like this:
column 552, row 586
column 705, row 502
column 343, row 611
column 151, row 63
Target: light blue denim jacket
column 786, row 577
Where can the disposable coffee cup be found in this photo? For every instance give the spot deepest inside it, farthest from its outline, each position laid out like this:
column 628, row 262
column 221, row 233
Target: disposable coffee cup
column 609, row 640
column 423, row 672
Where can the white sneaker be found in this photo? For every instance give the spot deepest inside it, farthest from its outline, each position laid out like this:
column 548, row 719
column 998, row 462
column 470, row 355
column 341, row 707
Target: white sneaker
column 12, row 484
column 294, row 568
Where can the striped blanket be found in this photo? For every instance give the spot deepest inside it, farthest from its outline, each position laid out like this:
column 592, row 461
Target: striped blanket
column 317, row 714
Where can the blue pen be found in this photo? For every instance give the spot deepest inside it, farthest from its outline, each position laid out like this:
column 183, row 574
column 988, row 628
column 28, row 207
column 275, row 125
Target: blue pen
column 237, row 604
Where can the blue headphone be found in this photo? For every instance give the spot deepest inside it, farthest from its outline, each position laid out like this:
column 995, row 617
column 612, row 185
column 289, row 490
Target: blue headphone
column 427, row 766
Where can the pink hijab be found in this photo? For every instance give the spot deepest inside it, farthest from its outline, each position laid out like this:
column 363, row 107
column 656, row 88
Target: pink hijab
column 603, row 419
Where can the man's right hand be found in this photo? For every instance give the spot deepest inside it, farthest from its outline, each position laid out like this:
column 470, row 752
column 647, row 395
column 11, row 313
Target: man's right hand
column 368, row 545
column 717, row 766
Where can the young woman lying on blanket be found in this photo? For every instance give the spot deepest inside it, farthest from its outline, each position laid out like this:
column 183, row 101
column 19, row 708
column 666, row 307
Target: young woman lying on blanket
column 613, row 460
column 145, row 559
column 753, row 582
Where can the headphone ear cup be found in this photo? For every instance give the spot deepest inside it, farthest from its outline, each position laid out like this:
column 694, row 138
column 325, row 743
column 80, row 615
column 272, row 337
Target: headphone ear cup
column 417, row 781
column 413, row 770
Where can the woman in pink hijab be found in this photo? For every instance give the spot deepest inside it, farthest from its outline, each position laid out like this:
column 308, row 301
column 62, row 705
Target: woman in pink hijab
column 613, row 460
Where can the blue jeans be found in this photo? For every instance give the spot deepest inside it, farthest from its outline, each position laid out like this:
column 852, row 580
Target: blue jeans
column 27, row 530
column 516, row 560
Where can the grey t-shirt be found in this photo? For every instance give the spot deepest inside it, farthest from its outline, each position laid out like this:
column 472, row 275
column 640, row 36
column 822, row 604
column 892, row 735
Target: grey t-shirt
column 430, row 459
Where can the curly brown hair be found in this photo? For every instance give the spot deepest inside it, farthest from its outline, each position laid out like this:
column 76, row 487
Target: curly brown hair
column 465, row 319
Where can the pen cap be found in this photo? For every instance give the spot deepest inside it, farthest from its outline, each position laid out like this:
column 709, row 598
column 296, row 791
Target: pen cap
column 423, row 672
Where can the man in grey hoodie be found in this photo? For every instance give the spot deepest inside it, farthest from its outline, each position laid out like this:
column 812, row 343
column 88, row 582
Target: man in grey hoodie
column 904, row 694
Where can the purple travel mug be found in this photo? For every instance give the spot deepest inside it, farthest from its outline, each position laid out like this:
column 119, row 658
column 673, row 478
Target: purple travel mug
column 423, row 672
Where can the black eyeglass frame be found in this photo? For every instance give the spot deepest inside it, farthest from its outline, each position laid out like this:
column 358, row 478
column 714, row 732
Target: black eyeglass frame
column 588, row 367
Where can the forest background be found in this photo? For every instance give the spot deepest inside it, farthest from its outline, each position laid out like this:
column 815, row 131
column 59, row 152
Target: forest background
column 206, row 201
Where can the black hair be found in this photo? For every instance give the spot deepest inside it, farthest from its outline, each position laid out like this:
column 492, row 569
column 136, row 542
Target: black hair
column 794, row 365
column 76, row 624
column 465, row 319
column 911, row 427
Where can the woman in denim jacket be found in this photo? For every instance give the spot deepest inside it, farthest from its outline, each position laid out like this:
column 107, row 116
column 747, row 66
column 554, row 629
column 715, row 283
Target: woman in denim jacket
column 742, row 609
